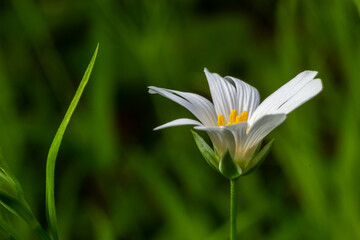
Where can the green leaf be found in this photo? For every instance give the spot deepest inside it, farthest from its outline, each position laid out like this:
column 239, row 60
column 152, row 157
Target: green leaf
column 7, row 184
column 11, row 234
column 21, row 209
column 259, row 158
column 13, row 199
column 16, row 206
column 8, row 181
column 54, row 148
column 207, row 152
column 228, row 168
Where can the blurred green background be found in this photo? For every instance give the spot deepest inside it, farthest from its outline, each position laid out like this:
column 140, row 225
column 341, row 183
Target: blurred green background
column 118, row 179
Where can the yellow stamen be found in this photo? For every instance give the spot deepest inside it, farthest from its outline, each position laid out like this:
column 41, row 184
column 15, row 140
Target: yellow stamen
column 243, row 117
column 221, row 120
column 232, row 116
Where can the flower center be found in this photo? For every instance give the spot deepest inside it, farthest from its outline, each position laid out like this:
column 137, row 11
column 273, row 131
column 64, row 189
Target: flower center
column 233, row 118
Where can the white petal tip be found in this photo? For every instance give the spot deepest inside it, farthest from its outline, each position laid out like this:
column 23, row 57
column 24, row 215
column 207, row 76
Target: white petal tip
column 200, row 128
column 151, row 90
column 178, row 122
column 319, row 83
column 309, row 73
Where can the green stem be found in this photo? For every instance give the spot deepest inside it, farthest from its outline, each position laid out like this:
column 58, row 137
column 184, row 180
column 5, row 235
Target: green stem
column 233, row 207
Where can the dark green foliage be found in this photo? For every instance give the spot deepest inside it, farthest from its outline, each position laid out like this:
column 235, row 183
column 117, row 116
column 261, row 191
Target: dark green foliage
column 116, row 178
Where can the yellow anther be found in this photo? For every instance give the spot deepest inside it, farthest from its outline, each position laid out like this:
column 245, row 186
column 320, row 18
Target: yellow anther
column 243, row 117
column 232, row 116
column 221, row 121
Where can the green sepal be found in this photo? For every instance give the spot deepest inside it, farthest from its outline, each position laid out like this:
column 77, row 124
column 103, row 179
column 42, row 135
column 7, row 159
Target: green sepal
column 228, row 168
column 259, row 158
column 208, row 153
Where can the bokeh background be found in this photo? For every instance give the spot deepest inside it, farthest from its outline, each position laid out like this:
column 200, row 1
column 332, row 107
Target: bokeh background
column 118, row 179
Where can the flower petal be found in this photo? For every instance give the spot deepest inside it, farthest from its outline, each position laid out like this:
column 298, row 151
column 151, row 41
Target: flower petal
column 306, row 93
column 179, row 122
column 221, row 138
column 223, row 94
column 293, row 89
column 202, row 105
column 247, row 97
column 202, row 108
column 261, row 128
column 239, row 132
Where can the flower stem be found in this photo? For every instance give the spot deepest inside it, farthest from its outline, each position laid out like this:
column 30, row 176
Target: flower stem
column 233, row 207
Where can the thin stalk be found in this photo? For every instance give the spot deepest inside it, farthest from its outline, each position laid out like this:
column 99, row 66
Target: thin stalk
column 233, row 208
column 54, row 149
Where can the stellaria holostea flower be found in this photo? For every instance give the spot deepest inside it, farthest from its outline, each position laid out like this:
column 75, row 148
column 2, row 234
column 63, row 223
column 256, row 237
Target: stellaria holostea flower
column 235, row 121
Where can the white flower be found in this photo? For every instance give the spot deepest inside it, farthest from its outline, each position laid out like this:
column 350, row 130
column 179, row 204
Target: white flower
column 235, row 121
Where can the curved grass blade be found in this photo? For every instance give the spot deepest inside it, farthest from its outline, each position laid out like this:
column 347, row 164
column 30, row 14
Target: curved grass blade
column 13, row 199
column 54, row 148
column 9, row 230
column 22, row 210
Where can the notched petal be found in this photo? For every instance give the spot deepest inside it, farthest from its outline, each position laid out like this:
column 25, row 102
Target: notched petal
column 222, row 92
column 202, row 108
column 178, row 122
column 290, row 96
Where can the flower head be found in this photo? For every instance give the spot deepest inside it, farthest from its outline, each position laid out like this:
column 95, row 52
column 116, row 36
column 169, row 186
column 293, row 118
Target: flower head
column 235, row 121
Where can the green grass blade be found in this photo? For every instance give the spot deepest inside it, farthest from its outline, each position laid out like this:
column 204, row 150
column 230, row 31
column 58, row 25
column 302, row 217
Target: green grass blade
column 54, row 148
column 13, row 199
column 22, row 210
column 6, row 227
